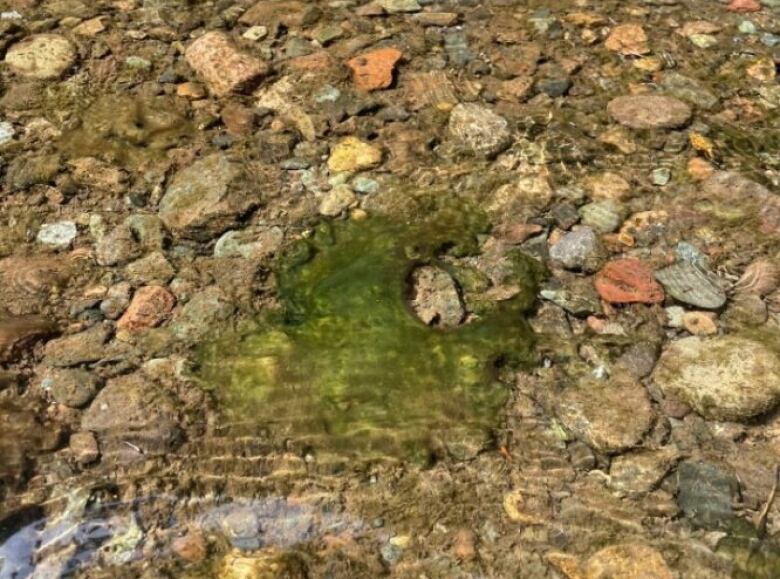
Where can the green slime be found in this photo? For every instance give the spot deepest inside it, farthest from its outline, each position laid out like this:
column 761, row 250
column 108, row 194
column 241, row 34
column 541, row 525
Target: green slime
column 346, row 367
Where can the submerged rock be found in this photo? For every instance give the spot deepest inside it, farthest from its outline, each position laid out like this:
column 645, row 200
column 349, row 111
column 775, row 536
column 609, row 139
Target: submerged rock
column 224, row 68
column 724, row 378
column 206, row 198
column 41, row 56
column 436, row 299
column 650, row 112
column 610, row 416
column 479, row 130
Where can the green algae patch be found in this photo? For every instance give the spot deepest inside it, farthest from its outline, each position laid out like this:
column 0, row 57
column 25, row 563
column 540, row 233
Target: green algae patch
column 346, row 367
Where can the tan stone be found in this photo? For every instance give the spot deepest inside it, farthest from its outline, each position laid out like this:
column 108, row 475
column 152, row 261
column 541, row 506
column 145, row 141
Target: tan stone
column 352, row 154
column 629, row 561
column 223, row 67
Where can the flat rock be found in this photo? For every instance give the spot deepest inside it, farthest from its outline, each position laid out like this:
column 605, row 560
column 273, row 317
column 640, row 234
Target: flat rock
column 724, row 378
column 253, row 243
column 41, row 56
column 628, row 40
column 635, row 561
column 649, row 112
column 202, row 314
column 640, row 472
column 479, row 130
column 80, row 348
column 610, row 416
column 705, row 493
column 206, row 198
column 692, row 285
column 132, row 414
column 374, row 70
column 627, row 281
column 222, row 66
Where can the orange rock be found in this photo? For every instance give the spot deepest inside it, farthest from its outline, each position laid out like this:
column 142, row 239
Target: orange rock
column 150, row 306
column 191, row 547
column 699, row 169
column 744, row 6
column 628, row 40
column 374, row 70
column 627, row 281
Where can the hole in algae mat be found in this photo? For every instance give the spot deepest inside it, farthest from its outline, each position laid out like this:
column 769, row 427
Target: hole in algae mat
column 347, row 368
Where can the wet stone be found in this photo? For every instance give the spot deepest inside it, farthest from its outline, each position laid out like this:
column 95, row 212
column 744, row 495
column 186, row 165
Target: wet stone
column 579, row 250
column 83, row 447
column 154, row 269
column 691, row 285
column 628, row 40
column 337, row 200
column 723, row 378
column 202, row 314
column 60, row 235
column 705, row 493
column 353, row 154
column 132, row 417
column 436, row 299
column 603, row 216
column 80, row 348
column 150, row 306
column 610, row 416
column 223, row 67
column 649, row 112
column 73, row 388
column 41, row 56
column 641, row 472
column 253, row 243
column 20, row 332
column 627, row 560
column 206, row 198
column 374, row 70
column 479, row 130
column 627, row 281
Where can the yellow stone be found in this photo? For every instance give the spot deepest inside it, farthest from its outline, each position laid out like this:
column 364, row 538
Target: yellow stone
column 352, row 154
column 630, row 560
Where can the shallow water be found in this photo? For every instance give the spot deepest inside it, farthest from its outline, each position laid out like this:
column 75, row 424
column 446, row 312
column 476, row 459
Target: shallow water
column 347, row 366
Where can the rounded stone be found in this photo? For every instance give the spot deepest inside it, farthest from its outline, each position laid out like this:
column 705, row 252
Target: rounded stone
column 479, row 130
column 725, row 378
column 649, row 112
column 42, row 56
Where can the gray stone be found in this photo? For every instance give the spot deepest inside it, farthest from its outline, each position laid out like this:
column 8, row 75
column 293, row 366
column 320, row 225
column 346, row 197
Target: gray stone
column 604, row 216
column 255, row 242
column 59, row 235
column 73, row 388
column 578, row 297
column 692, row 285
column 688, row 89
column 705, row 494
column 722, row 378
column 479, row 130
column 649, row 112
column 206, row 198
column 202, row 314
column 579, row 250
